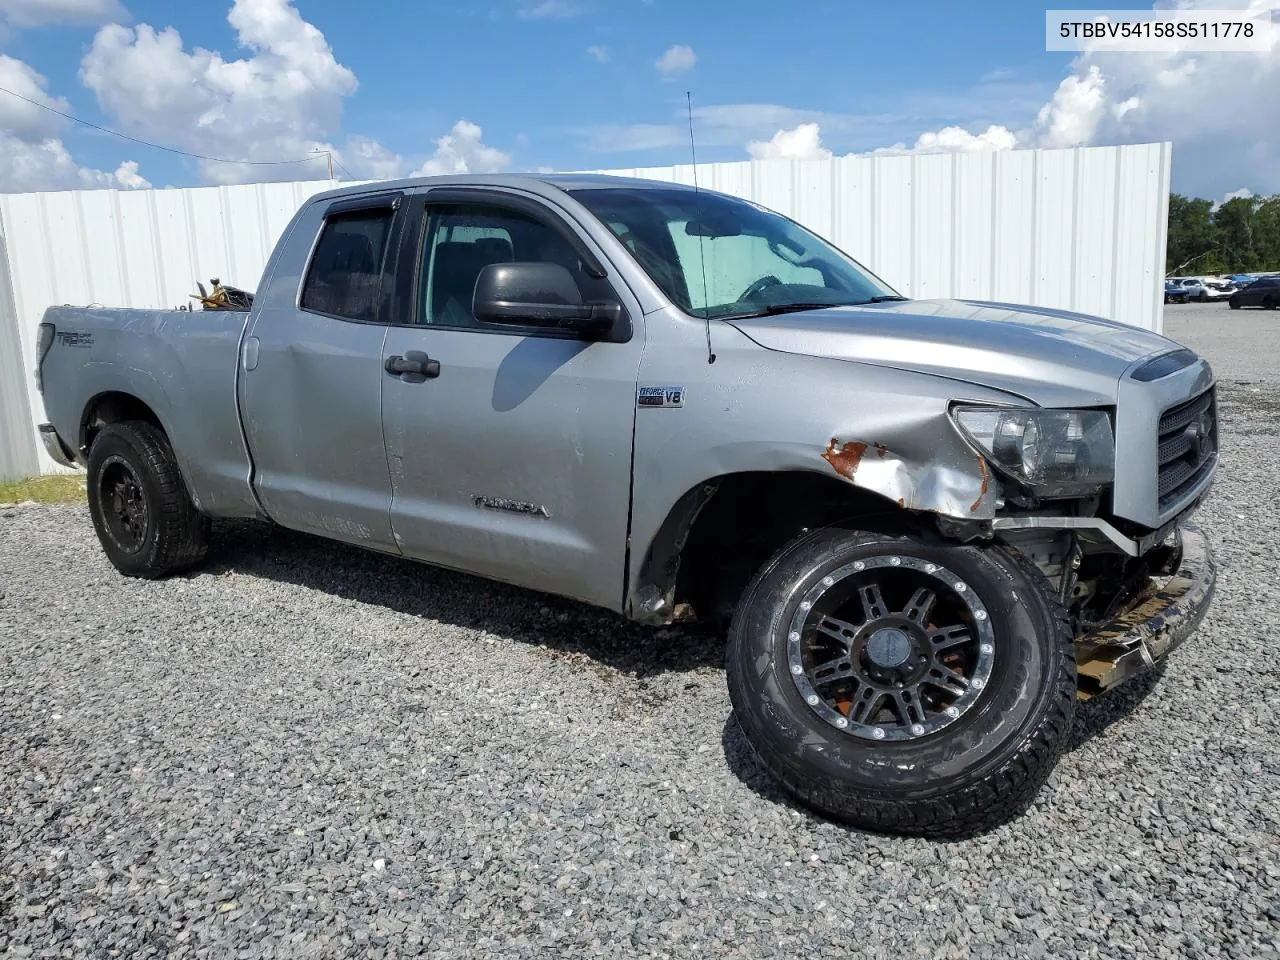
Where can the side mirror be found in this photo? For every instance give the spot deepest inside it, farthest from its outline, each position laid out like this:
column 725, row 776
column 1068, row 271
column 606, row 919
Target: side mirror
column 527, row 294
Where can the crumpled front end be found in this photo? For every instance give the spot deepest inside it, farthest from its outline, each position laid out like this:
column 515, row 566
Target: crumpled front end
column 1160, row 616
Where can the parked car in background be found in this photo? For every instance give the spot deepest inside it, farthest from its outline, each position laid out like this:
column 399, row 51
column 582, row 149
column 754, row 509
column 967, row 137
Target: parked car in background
column 1216, row 288
column 1190, row 286
column 1174, row 292
column 1263, row 292
column 1242, row 280
column 1205, row 289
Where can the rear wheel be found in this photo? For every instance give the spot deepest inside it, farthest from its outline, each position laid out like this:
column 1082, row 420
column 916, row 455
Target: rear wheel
column 140, row 507
column 903, row 685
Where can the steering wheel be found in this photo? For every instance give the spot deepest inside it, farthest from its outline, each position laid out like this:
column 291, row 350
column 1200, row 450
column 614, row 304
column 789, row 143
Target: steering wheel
column 759, row 287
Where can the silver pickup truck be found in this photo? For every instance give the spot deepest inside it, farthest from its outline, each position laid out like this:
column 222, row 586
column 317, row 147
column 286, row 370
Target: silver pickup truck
column 930, row 526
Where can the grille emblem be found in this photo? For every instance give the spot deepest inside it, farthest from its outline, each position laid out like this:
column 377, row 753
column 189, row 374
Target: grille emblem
column 1200, row 434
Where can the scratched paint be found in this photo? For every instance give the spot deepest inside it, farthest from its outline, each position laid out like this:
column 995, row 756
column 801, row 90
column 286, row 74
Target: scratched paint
column 983, row 487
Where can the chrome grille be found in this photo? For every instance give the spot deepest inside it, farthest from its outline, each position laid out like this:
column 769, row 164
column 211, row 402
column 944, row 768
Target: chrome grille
column 1188, row 447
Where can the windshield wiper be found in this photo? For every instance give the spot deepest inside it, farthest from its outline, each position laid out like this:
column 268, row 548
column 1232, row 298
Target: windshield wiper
column 885, row 299
column 775, row 308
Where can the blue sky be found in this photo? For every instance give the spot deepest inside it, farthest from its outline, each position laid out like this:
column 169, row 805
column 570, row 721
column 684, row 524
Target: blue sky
column 572, row 84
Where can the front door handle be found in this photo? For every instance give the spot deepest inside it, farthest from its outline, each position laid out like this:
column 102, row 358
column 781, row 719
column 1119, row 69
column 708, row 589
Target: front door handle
column 414, row 367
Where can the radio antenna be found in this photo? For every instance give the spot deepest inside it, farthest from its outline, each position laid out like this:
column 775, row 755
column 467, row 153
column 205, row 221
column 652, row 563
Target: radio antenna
column 702, row 255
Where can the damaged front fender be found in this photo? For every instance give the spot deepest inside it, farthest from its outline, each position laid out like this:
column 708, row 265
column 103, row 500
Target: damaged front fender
column 962, row 490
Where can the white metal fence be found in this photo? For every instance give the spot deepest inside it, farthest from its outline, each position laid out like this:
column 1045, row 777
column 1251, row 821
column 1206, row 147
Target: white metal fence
column 1081, row 229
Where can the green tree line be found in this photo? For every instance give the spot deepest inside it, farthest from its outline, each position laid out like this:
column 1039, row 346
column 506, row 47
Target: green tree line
column 1240, row 236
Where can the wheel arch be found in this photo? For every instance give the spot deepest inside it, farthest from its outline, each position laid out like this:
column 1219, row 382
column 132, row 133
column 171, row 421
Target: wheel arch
column 113, row 406
column 745, row 517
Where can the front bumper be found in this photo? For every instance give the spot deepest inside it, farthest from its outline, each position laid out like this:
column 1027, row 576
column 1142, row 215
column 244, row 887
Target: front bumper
column 1162, row 617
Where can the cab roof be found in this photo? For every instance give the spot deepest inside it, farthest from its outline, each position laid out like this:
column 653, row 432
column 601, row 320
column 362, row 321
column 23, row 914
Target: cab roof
column 533, row 182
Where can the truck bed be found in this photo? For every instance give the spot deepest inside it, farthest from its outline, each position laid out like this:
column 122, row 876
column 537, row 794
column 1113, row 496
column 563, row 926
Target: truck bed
column 181, row 364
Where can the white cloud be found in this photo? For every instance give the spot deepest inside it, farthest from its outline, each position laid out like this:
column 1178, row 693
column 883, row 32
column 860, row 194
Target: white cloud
column 549, row 10
column 283, row 100
column 677, row 60
column 1241, row 194
column 40, row 13
column 1072, row 117
column 20, row 118
column 1219, row 109
column 276, row 104
column 27, row 165
column 461, row 150
column 802, row 143
column 32, row 157
column 599, row 53
column 954, row 140
column 127, row 176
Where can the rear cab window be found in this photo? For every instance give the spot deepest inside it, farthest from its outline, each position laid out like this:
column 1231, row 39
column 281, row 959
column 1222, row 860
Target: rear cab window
column 344, row 278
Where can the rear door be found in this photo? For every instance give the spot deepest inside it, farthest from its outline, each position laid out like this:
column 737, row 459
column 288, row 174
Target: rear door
column 311, row 386
column 511, row 458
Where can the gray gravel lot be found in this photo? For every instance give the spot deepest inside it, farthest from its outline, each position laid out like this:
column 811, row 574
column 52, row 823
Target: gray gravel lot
column 307, row 750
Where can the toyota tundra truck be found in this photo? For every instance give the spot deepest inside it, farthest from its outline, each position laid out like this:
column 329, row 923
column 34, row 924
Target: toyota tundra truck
column 928, row 527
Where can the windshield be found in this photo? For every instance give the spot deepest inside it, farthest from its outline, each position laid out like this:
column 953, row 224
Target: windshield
column 719, row 257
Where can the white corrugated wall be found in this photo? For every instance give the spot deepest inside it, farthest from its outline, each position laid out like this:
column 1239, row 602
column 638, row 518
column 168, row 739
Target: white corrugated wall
column 1081, row 229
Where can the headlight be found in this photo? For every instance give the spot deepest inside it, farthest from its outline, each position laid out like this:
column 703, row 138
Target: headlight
column 1057, row 453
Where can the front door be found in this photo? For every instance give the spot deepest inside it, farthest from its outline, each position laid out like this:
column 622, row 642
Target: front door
column 511, row 455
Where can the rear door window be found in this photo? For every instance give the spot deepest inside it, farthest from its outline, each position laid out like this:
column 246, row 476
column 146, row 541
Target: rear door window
column 345, row 276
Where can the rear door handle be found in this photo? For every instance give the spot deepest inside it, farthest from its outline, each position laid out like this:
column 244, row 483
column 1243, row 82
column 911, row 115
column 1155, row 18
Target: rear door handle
column 414, row 367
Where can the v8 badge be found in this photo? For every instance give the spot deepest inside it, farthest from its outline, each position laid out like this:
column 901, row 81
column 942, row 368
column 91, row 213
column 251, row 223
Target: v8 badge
column 660, row 397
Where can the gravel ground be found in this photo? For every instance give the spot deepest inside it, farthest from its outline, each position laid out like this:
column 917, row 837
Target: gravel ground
column 307, row 750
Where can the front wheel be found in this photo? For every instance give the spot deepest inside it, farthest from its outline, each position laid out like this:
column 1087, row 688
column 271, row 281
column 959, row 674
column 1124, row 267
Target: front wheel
column 901, row 684
column 1268, row 302
column 140, row 506
column 1233, row 303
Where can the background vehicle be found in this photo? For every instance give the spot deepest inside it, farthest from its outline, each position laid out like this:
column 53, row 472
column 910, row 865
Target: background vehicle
column 673, row 403
column 1215, row 288
column 1174, row 292
column 1203, row 289
column 1263, row 292
column 1190, row 286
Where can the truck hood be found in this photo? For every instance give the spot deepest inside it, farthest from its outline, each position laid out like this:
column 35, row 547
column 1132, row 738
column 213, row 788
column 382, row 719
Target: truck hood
column 1050, row 357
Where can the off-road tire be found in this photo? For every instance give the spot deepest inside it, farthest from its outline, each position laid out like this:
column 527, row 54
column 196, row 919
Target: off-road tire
column 173, row 535
column 963, row 779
